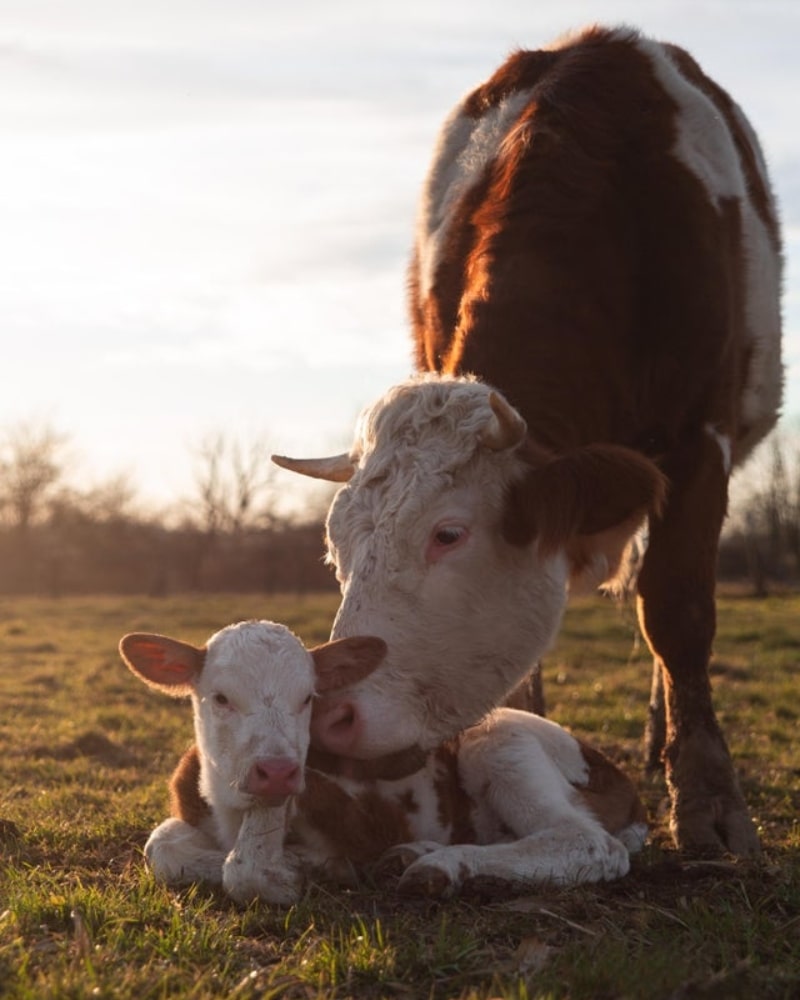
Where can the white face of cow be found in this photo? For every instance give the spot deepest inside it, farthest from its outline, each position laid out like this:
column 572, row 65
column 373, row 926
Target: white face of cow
column 427, row 545
column 416, row 540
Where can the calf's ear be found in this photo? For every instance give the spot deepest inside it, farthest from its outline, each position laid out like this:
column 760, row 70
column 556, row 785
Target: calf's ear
column 166, row 664
column 345, row 661
column 588, row 501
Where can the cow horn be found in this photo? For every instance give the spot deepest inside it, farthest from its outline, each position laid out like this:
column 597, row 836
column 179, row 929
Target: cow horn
column 506, row 428
column 336, row 468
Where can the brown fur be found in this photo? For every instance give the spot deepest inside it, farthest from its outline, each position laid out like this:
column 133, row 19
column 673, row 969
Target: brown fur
column 359, row 827
column 454, row 804
column 609, row 793
column 185, row 800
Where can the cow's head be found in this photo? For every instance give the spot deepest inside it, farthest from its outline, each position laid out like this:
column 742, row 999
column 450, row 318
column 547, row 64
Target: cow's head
column 456, row 539
column 251, row 687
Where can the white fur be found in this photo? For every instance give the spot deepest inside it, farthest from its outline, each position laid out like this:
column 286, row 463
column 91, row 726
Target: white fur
column 521, row 773
column 705, row 146
column 466, row 146
column 266, row 677
column 724, row 443
column 461, row 632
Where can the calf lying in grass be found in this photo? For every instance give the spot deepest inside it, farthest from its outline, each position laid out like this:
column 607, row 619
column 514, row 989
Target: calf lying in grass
column 514, row 798
column 251, row 687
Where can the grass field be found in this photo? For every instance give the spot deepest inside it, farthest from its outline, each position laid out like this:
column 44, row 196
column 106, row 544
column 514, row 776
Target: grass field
column 86, row 751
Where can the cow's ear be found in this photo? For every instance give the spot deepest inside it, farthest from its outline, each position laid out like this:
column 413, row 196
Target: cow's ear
column 597, row 492
column 167, row 664
column 344, row 661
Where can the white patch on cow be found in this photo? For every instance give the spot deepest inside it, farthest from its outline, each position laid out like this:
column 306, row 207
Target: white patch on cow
column 724, row 443
column 464, row 149
column 763, row 391
column 704, row 143
column 706, row 147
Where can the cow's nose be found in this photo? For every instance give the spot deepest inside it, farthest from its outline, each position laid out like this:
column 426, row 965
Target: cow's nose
column 274, row 776
column 336, row 727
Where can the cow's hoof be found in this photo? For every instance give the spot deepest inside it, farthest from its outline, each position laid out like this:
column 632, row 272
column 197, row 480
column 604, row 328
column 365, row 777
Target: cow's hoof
column 717, row 828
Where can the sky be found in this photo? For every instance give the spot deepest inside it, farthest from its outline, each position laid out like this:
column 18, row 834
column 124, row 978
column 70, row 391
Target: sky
column 207, row 205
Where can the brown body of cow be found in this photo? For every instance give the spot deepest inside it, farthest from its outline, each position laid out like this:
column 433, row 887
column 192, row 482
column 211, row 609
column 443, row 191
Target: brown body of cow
column 590, row 276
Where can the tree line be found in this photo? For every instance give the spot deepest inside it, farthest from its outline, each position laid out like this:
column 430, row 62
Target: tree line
column 228, row 533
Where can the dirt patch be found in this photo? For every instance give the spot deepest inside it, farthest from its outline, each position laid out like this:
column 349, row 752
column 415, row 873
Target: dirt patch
column 91, row 744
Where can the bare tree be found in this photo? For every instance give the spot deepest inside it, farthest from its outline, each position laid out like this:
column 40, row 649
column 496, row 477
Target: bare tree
column 31, row 466
column 232, row 480
column 766, row 511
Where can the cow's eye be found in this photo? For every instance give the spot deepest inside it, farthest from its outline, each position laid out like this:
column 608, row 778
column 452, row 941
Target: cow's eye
column 444, row 538
column 221, row 699
column 307, row 701
column 449, row 535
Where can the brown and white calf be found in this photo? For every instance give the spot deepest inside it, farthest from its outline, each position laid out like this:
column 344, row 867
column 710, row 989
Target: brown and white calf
column 598, row 244
column 251, row 688
column 516, row 796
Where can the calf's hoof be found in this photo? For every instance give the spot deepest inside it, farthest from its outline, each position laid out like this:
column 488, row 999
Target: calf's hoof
column 422, row 879
column 281, row 884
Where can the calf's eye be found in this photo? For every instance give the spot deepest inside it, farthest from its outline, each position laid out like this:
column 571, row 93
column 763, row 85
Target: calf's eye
column 221, row 699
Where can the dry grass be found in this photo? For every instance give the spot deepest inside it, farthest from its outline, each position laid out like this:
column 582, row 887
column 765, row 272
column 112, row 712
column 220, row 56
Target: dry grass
column 86, row 751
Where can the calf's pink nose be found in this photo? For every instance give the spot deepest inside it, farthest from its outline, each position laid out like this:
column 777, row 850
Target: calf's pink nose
column 270, row 776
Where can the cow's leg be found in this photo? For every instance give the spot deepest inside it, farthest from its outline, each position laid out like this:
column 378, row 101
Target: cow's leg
column 655, row 734
column 528, row 695
column 678, row 617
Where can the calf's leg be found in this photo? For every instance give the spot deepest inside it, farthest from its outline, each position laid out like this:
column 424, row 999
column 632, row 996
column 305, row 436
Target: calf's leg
column 258, row 867
column 180, row 854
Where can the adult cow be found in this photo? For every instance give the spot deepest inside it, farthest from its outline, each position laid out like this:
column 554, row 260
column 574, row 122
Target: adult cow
column 597, row 240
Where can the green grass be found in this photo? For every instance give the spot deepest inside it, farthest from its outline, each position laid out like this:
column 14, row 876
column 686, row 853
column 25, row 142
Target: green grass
column 86, row 750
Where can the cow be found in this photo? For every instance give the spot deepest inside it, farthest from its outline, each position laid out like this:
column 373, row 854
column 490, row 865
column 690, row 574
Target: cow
column 250, row 815
column 595, row 301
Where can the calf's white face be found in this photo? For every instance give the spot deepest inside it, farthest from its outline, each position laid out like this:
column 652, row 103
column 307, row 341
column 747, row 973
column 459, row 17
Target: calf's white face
column 457, row 551
column 251, row 687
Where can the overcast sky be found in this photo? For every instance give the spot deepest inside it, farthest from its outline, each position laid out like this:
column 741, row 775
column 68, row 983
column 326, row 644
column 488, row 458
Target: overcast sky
column 207, row 207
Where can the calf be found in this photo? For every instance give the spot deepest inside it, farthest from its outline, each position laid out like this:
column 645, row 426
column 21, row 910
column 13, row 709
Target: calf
column 251, row 688
column 554, row 809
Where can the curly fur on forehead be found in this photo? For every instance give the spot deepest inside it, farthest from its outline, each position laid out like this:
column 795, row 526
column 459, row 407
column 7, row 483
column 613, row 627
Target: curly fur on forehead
column 433, row 420
column 419, row 440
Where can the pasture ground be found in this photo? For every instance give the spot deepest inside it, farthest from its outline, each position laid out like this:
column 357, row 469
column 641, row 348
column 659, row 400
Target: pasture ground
column 86, row 750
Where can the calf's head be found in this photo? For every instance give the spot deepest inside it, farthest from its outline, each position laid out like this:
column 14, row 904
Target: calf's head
column 456, row 539
column 252, row 687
